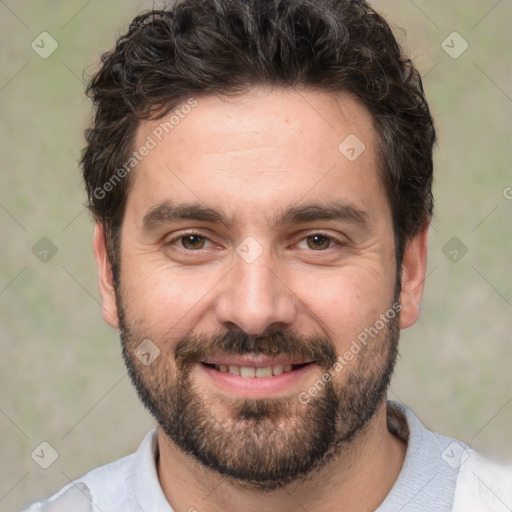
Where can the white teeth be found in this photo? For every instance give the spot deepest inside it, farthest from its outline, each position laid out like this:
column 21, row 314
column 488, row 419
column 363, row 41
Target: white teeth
column 234, row 369
column 250, row 371
column 264, row 372
column 277, row 369
column 247, row 371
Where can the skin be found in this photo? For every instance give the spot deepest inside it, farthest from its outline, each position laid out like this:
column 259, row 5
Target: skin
column 252, row 157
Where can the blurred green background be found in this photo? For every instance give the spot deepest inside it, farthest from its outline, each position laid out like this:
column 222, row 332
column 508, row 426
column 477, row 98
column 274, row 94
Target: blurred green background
column 62, row 379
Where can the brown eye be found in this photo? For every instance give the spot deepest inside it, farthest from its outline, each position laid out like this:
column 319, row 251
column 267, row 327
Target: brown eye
column 318, row 242
column 192, row 242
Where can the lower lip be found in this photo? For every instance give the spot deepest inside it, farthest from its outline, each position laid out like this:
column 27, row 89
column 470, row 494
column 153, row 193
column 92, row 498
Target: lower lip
column 256, row 386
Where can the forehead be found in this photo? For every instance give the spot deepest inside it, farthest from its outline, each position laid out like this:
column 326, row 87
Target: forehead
column 259, row 149
column 261, row 116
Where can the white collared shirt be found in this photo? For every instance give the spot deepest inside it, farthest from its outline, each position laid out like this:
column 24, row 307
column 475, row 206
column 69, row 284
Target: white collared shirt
column 439, row 474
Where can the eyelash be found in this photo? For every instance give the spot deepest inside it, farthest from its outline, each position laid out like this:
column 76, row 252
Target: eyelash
column 337, row 241
column 188, row 233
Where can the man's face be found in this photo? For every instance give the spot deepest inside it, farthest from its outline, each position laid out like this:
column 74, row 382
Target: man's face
column 252, row 244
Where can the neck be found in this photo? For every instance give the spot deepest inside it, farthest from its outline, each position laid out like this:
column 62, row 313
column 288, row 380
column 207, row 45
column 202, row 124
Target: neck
column 376, row 456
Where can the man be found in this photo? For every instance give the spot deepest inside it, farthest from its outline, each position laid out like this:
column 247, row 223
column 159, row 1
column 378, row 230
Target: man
column 260, row 174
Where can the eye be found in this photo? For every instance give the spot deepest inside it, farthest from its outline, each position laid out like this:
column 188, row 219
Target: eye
column 321, row 242
column 318, row 242
column 191, row 241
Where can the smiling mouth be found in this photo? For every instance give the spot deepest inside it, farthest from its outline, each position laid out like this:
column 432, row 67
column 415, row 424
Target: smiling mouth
column 255, row 372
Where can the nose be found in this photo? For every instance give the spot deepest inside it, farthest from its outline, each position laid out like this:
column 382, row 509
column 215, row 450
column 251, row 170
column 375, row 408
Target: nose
column 254, row 297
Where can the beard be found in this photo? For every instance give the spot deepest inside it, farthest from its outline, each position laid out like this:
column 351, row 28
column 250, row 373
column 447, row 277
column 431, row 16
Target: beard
column 260, row 444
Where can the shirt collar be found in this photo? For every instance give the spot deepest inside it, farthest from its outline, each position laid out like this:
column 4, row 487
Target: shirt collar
column 422, row 462
column 145, row 485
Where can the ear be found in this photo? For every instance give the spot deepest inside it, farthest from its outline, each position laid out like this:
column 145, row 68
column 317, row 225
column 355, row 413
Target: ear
column 414, row 267
column 105, row 279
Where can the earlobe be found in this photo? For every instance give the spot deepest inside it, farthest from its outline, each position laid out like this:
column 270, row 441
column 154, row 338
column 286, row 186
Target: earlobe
column 105, row 279
column 414, row 268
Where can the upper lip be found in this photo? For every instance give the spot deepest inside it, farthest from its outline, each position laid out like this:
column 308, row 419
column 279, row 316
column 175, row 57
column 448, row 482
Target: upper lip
column 255, row 361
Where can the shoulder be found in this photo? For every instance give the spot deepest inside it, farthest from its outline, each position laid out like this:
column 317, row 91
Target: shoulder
column 82, row 493
column 483, row 485
column 450, row 473
column 107, row 487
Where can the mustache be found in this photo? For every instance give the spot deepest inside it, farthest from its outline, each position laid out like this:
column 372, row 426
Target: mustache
column 195, row 348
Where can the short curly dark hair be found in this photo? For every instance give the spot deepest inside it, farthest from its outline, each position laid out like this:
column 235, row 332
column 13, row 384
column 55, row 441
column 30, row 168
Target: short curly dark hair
column 230, row 46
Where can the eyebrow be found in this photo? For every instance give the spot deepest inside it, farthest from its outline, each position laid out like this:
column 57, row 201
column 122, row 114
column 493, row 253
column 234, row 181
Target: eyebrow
column 335, row 210
column 169, row 212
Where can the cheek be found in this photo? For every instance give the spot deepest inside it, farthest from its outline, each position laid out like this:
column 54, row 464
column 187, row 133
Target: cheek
column 165, row 300
column 345, row 303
